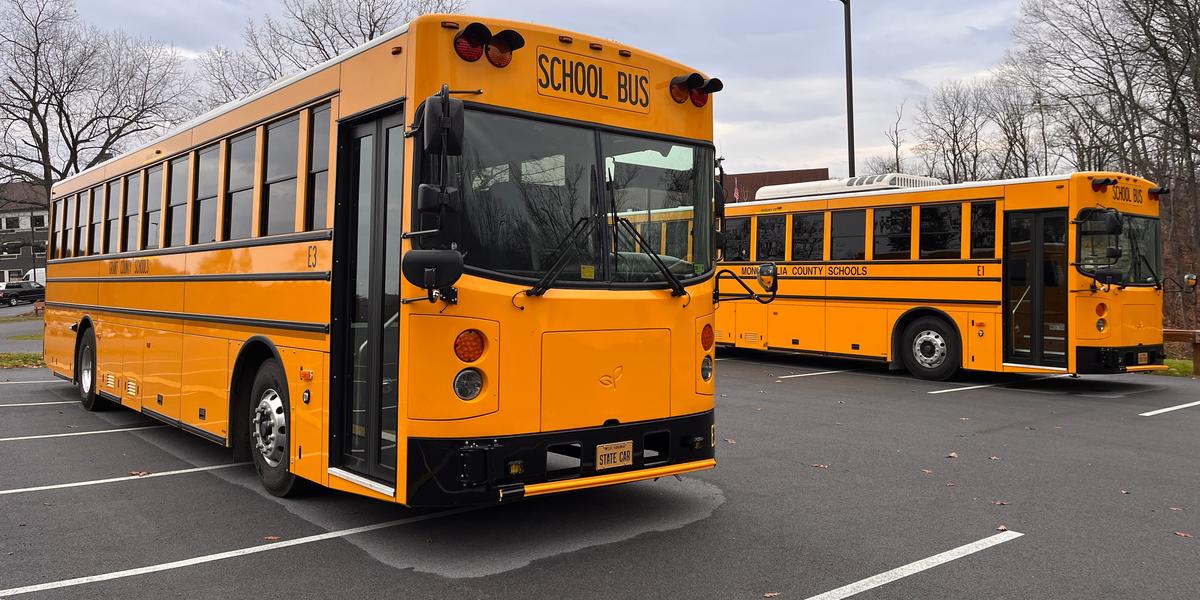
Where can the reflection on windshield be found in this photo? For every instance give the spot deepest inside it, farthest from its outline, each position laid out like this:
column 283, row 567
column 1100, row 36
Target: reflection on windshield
column 526, row 184
column 1140, row 257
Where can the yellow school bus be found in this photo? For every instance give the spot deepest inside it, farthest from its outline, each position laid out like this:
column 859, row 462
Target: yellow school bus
column 1058, row 274
column 406, row 273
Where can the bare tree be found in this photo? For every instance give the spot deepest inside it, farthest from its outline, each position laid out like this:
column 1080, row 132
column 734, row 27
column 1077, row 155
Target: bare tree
column 895, row 137
column 950, row 125
column 308, row 33
column 74, row 95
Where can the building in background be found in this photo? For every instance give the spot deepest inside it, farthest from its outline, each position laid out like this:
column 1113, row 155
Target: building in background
column 24, row 222
column 741, row 187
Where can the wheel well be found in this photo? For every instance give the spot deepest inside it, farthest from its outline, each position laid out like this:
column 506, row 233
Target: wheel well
column 902, row 323
column 253, row 354
column 84, row 324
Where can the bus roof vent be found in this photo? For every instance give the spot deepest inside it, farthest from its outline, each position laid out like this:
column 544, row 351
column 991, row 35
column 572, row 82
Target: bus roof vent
column 864, row 183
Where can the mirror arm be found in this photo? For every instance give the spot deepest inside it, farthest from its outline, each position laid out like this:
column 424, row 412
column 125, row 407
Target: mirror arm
column 750, row 293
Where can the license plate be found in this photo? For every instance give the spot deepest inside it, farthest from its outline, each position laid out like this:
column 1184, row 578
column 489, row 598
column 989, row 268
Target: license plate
column 1143, row 358
column 610, row 456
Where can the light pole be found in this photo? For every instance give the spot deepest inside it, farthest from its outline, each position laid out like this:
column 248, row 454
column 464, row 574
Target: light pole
column 849, row 91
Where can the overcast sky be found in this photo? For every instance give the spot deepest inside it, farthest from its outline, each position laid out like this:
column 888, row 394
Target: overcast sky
column 781, row 60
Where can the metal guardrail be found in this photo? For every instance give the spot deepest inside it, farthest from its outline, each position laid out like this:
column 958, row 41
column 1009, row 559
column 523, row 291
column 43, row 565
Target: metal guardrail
column 1186, row 336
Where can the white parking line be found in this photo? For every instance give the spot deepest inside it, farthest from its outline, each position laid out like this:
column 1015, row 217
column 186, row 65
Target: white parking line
column 179, row 564
column 59, row 486
column 912, row 568
column 817, row 373
column 38, row 403
column 56, row 435
column 1169, row 409
column 1002, row 383
column 37, row 381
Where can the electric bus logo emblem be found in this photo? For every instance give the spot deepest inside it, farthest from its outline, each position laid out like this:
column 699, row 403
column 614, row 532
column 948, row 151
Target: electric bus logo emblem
column 610, row 381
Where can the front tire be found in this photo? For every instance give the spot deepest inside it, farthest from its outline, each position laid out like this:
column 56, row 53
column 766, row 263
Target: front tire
column 270, row 427
column 85, row 372
column 931, row 349
column 12, row 301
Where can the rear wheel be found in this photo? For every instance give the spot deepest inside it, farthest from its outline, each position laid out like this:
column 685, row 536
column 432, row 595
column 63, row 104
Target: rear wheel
column 12, row 301
column 85, row 372
column 270, row 425
column 930, row 349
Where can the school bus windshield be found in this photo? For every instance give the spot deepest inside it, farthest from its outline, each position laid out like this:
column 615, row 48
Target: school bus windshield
column 534, row 191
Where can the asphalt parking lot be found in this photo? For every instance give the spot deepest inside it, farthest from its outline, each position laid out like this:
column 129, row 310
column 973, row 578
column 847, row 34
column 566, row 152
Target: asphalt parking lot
column 835, row 480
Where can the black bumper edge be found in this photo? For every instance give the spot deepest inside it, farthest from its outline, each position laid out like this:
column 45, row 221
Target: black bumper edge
column 473, row 471
column 1098, row 360
column 61, row 376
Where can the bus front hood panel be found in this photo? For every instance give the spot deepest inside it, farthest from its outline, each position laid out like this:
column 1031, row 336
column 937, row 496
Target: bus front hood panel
column 590, row 378
column 1141, row 324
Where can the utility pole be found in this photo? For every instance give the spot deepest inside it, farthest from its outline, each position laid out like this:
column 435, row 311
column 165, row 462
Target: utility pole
column 849, row 91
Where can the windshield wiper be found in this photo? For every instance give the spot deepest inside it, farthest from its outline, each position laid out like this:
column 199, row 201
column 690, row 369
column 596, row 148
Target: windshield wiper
column 581, row 226
column 672, row 280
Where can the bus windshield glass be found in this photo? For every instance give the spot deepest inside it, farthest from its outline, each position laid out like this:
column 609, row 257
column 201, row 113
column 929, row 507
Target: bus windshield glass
column 534, row 193
column 1140, row 257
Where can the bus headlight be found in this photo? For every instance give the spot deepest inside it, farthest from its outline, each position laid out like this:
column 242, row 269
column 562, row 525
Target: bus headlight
column 1101, row 324
column 706, row 368
column 468, row 383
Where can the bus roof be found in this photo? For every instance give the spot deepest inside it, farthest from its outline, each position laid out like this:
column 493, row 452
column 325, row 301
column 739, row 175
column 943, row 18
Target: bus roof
column 893, row 191
column 857, row 185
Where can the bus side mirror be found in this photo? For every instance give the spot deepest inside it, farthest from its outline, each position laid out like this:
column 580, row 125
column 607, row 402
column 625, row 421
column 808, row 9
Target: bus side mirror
column 433, row 271
column 1189, row 280
column 1109, row 276
column 444, row 124
column 1112, row 253
column 438, row 209
column 768, row 277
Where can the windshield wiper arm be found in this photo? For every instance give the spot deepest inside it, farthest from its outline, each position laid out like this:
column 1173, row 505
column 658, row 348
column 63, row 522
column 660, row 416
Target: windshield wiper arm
column 672, row 280
column 560, row 257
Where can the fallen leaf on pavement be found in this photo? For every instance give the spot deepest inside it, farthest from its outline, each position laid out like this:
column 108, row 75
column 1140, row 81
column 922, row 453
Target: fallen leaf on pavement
column 927, row 471
column 138, row 473
column 999, row 503
column 1183, row 534
column 731, row 440
column 952, row 455
column 949, row 484
column 272, row 538
column 770, row 594
column 1176, row 508
column 964, row 418
column 993, row 458
column 1002, row 528
column 1126, row 492
column 820, row 466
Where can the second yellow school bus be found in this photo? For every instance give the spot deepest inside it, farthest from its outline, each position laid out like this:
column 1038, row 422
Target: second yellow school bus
column 404, row 273
column 1051, row 274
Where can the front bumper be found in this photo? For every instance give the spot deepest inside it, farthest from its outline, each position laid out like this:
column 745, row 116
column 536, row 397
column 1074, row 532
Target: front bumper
column 446, row 472
column 1099, row 360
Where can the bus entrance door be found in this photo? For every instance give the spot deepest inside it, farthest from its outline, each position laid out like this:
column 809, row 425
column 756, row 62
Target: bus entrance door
column 1035, row 288
column 369, row 225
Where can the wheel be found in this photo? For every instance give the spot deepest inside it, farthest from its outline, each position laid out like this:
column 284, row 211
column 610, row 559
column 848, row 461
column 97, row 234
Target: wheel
column 85, row 373
column 931, row 349
column 270, row 417
column 12, row 301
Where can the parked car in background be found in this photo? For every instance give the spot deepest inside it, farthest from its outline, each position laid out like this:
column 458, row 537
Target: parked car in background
column 16, row 292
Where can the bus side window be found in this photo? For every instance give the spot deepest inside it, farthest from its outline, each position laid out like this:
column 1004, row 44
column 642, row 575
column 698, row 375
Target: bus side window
column 737, row 239
column 771, row 231
column 848, row 235
column 177, row 202
column 893, row 233
column 96, row 230
column 983, row 230
column 808, row 236
column 941, row 231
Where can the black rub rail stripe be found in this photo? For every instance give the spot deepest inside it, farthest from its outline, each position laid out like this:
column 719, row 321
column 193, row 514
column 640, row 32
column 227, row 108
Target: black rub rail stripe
column 297, row 276
column 272, row 240
column 108, row 396
column 896, row 300
column 192, row 429
column 162, row 314
column 925, row 261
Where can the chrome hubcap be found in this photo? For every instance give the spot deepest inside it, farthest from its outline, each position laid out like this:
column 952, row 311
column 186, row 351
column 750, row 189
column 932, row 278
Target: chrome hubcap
column 85, row 370
column 929, row 348
column 268, row 428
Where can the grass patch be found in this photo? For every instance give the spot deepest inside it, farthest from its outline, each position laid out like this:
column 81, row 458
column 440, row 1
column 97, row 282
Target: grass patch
column 1177, row 368
column 26, row 338
column 28, row 317
column 15, row 360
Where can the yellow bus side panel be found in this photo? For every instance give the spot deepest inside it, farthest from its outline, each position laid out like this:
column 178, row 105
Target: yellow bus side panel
column 797, row 325
column 160, row 371
column 110, row 358
column 58, row 341
column 205, row 384
column 437, row 362
column 859, row 331
column 307, row 439
column 981, row 342
column 132, row 352
column 724, row 331
column 750, row 320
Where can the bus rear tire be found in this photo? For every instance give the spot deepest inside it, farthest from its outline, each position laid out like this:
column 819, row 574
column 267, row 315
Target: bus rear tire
column 930, row 349
column 270, row 424
column 85, row 372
